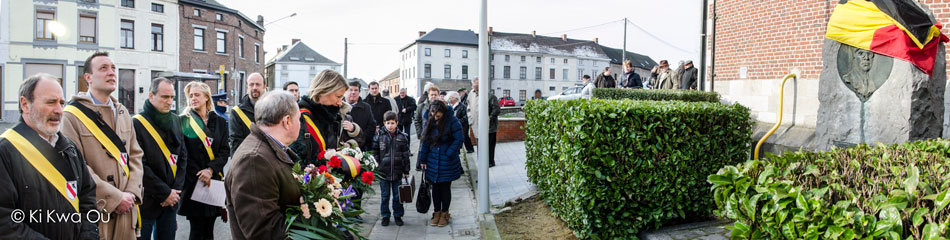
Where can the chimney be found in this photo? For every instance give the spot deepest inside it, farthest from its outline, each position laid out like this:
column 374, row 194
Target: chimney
column 422, row 33
column 294, row 41
column 534, row 34
column 564, row 37
column 260, row 20
column 491, row 30
column 596, row 40
column 283, row 48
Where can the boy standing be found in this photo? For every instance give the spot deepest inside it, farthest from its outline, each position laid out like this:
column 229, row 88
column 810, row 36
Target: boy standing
column 391, row 149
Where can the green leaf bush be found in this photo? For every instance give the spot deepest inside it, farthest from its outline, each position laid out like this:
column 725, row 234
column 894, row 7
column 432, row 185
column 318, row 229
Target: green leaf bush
column 656, row 94
column 611, row 168
column 866, row 192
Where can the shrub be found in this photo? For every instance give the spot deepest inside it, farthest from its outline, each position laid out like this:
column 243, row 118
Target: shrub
column 611, row 168
column 880, row 192
column 656, row 94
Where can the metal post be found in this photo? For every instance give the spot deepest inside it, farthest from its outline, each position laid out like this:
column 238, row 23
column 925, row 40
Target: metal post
column 712, row 52
column 483, row 92
column 624, row 54
column 702, row 50
column 346, row 51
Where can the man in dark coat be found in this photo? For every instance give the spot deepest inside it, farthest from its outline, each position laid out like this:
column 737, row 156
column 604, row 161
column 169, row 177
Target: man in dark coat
column 24, row 189
column 432, row 93
column 239, row 126
column 689, row 76
column 630, row 78
column 378, row 105
column 362, row 113
column 605, row 80
column 407, row 107
column 163, row 162
column 260, row 184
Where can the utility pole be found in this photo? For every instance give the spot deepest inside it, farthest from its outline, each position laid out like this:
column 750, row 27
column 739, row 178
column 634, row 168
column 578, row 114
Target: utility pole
column 624, row 54
column 346, row 49
column 483, row 199
column 702, row 50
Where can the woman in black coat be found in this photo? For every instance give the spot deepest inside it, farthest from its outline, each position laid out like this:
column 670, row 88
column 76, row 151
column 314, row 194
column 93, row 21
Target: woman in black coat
column 324, row 107
column 206, row 138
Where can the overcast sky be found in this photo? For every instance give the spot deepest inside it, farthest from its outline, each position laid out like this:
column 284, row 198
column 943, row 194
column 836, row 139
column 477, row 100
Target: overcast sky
column 377, row 29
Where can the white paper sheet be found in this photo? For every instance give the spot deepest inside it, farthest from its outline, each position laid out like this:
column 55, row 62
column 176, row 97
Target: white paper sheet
column 213, row 195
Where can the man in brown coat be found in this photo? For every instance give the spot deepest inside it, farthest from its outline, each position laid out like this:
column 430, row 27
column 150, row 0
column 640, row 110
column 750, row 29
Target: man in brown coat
column 118, row 178
column 260, row 183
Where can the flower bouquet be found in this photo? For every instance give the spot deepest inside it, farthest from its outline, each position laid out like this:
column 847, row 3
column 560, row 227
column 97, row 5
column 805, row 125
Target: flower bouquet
column 325, row 209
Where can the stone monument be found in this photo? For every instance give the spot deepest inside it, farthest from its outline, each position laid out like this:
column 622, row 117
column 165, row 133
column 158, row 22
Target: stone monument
column 865, row 97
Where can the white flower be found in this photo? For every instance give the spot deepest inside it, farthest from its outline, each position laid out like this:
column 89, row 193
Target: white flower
column 337, row 185
column 359, row 156
column 329, row 154
column 336, row 193
column 324, row 207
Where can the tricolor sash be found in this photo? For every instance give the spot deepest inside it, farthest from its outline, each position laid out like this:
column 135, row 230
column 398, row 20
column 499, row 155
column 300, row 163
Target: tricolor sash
column 172, row 160
column 314, row 131
column 240, row 113
column 103, row 133
column 200, row 132
column 67, row 189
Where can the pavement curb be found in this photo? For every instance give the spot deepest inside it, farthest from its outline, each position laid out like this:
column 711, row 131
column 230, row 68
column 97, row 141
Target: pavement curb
column 486, row 222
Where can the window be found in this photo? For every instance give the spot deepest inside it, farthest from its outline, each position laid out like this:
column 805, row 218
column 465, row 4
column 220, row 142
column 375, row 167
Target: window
column 448, row 52
column 552, row 88
column 221, row 42
column 158, row 36
column 43, row 20
column 464, row 53
column 552, row 60
column 464, row 72
column 240, row 47
column 552, row 74
column 257, row 53
column 158, row 8
column 524, row 73
column 580, row 62
column 565, row 61
column 87, row 1
column 491, row 72
column 199, row 39
column 428, row 70
column 507, row 93
column 284, row 76
column 87, row 29
column 537, row 73
column 428, row 52
column 507, row 58
column 197, row 12
column 448, row 72
column 128, row 33
column 219, row 17
column 507, row 72
column 283, row 67
column 564, row 76
column 128, row 3
column 580, row 74
column 539, row 59
column 522, row 95
column 492, row 58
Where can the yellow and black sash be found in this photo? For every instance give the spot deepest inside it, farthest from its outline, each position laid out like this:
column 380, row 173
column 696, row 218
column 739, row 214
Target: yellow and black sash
column 198, row 126
column 169, row 158
column 240, row 113
column 42, row 164
column 103, row 133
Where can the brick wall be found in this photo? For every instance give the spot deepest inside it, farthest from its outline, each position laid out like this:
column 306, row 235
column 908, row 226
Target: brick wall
column 209, row 59
column 509, row 130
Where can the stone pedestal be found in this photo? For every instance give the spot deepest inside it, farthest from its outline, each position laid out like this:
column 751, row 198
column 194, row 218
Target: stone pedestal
column 907, row 106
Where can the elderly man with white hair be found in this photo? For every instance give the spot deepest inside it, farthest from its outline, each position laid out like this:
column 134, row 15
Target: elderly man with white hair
column 460, row 108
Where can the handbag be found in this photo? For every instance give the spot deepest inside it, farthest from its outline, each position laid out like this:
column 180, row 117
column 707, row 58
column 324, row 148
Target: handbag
column 406, row 188
column 424, row 196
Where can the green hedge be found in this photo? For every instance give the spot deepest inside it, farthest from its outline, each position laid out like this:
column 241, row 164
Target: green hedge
column 611, row 168
column 880, row 192
column 656, row 94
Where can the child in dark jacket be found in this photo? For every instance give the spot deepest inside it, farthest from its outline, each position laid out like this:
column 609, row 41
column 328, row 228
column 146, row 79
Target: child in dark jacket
column 391, row 149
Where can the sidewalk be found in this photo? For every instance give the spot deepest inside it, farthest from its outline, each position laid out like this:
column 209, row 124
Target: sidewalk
column 508, row 179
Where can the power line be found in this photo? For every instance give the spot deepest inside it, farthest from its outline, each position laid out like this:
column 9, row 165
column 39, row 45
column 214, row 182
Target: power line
column 660, row 39
column 598, row 25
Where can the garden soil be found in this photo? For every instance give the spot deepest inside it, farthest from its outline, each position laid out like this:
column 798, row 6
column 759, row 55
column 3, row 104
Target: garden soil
column 531, row 219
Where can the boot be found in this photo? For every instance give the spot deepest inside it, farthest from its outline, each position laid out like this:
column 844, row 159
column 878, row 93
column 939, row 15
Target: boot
column 444, row 220
column 435, row 218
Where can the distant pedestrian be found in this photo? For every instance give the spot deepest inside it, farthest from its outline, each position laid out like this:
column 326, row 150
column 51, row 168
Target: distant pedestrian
column 439, row 157
column 361, row 113
column 469, row 148
column 378, row 105
column 630, row 78
column 392, row 102
column 293, row 88
column 221, row 105
column 604, row 80
column 664, row 76
column 588, row 87
column 689, row 76
column 406, row 109
column 391, row 149
column 493, row 111
column 677, row 75
column 537, row 95
column 433, row 95
column 461, row 112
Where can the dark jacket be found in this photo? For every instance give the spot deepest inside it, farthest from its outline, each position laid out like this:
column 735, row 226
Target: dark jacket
column 378, row 105
column 362, row 114
column 198, row 159
column 419, row 118
column 392, row 153
column 24, row 188
column 157, row 177
column 409, row 104
column 260, row 188
column 327, row 119
column 237, row 131
column 605, row 81
column 461, row 113
column 442, row 158
column 688, row 80
column 632, row 80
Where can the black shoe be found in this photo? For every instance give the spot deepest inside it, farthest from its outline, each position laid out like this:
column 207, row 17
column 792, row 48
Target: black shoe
column 491, row 165
column 386, row 221
column 398, row 221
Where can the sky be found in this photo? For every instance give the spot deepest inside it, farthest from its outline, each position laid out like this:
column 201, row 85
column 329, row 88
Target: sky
column 378, row 29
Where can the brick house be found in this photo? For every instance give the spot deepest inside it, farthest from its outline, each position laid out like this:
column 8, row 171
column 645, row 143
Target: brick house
column 213, row 35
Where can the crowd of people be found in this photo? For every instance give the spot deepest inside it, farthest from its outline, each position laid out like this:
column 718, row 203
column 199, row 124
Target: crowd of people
column 119, row 175
column 661, row 77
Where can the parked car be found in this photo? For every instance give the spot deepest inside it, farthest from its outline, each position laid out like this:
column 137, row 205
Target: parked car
column 570, row 93
column 506, row 102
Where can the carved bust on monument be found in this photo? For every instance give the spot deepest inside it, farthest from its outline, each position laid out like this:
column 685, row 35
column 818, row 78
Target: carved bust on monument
column 863, row 71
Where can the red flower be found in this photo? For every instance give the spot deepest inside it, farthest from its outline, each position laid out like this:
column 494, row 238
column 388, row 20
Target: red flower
column 321, row 155
column 322, row 169
column 334, row 162
column 368, row 177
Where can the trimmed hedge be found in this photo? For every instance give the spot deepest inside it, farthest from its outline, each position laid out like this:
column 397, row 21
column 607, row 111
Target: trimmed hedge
column 880, row 192
column 656, row 94
column 611, row 168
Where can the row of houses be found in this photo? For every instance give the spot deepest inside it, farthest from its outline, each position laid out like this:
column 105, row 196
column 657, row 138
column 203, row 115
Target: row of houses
column 520, row 64
column 188, row 40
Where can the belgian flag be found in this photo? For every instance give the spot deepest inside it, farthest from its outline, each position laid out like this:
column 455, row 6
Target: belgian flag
column 895, row 28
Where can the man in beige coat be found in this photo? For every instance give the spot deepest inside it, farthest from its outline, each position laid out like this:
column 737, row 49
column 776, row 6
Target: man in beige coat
column 118, row 191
